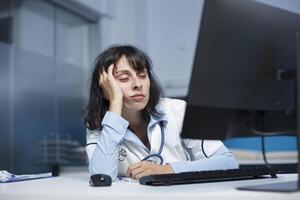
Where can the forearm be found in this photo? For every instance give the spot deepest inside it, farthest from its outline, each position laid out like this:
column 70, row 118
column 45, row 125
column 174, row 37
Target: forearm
column 104, row 156
column 104, row 161
column 222, row 160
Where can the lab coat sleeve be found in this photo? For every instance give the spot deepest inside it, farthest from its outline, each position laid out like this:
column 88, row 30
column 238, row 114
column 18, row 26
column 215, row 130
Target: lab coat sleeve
column 103, row 147
column 221, row 159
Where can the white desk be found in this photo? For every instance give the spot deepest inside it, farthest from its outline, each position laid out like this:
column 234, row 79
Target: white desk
column 74, row 185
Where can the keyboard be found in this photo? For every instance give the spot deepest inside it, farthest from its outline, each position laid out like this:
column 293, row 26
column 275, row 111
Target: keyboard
column 209, row 176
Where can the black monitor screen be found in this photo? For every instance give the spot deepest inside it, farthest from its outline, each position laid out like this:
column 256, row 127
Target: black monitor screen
column 243, row 77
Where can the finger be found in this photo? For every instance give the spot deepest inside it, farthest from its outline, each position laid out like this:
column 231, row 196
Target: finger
column 145, row 169
column 148, row 169
column 142, row 174
column 110, row 70
column 102, row 84
column 133, row 167
column 104, row 74
column 110, row 75
column 142, row 168
column 101, row 70
column 137, row 171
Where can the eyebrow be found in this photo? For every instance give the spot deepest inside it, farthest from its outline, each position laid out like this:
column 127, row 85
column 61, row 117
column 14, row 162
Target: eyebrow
column 122, row 71
column 128, row 72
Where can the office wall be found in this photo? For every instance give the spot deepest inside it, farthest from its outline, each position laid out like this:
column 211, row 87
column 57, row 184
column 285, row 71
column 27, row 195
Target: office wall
column 172, row 33
column 125, row 22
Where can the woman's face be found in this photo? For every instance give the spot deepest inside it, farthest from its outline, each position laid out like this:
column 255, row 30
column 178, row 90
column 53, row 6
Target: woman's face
column 134, row 85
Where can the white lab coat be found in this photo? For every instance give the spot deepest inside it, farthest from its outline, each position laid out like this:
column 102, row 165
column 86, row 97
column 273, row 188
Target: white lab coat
column 173, row 150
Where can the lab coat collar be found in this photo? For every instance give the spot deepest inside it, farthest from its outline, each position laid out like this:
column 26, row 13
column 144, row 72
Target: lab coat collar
column 154, row 120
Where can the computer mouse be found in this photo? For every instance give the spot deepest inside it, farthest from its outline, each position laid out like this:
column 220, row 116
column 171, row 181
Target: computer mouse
column 100, row 180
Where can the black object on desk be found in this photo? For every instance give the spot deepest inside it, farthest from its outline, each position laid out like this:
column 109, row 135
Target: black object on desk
column 100, row 180
column 209, row 176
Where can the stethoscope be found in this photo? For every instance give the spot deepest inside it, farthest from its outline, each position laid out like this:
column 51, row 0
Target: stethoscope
column 162, row 142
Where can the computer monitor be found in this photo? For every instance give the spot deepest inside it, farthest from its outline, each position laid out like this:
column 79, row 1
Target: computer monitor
column 243, row 81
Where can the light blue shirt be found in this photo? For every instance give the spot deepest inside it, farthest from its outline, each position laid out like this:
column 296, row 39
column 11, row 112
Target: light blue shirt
column 104, row 158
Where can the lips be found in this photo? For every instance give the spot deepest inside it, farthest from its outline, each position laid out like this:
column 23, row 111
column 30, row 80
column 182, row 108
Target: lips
column 138, row 97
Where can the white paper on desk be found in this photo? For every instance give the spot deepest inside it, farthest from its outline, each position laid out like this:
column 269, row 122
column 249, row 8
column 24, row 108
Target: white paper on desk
column 6, row 177
column 127, row 179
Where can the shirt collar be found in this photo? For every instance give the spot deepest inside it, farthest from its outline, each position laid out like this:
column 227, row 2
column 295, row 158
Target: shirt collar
column 153, row 122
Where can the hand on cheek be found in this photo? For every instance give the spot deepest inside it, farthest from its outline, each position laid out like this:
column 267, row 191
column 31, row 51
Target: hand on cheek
column 145, row 168
column 111, row 90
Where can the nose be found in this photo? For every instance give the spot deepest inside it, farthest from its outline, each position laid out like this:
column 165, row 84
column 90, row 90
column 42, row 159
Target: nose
column 137, row 83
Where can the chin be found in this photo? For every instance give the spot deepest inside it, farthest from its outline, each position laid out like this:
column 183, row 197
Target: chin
column 136, row 106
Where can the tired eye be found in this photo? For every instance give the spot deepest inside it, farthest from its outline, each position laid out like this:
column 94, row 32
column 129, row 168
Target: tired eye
column 143, row 75
column 123, row 78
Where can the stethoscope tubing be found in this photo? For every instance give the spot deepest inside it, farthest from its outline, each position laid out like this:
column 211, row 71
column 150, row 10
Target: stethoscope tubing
column 162, row 142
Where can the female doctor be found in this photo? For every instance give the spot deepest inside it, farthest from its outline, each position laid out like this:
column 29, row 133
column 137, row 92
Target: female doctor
column 130, row 124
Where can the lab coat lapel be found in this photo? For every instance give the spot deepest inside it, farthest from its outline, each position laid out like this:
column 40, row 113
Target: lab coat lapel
column 155, row 139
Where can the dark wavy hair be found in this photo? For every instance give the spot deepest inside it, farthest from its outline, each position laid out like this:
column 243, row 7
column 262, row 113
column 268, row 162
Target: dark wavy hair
column 98, row 105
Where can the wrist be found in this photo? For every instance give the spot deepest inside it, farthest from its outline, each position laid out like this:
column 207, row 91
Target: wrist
column 116, row 106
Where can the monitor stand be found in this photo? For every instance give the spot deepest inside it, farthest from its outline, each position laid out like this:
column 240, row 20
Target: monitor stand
column 290, row 186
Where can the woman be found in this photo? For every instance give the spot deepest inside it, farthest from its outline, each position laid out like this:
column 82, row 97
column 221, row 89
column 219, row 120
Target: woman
column 130, row 124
